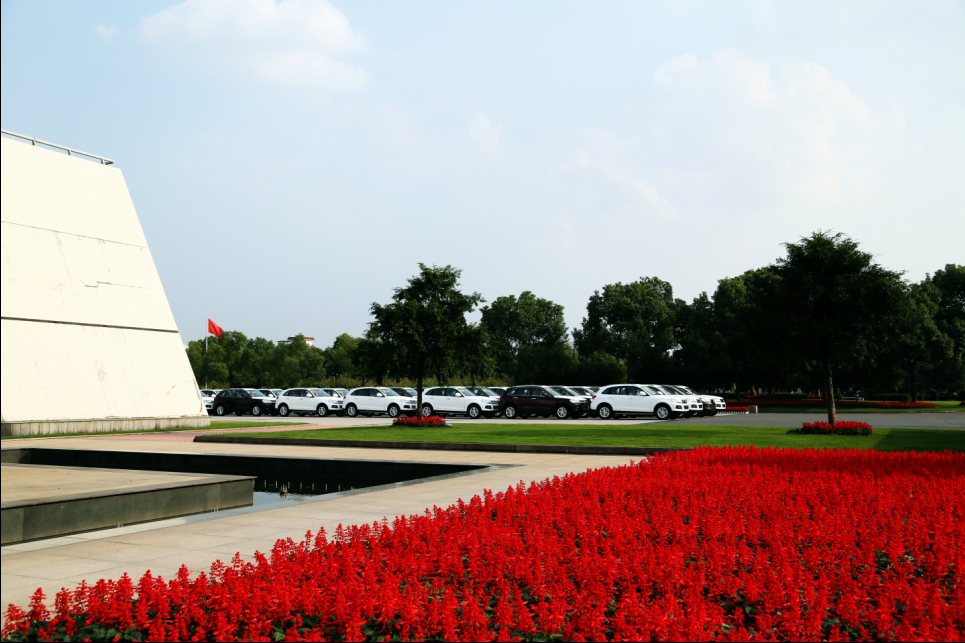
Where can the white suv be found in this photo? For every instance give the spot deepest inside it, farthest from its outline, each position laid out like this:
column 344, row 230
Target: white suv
column 378, row 400
column 712, row 404
column 635, row 399
column 693, row 405
column 308, row 401
column 456, row 400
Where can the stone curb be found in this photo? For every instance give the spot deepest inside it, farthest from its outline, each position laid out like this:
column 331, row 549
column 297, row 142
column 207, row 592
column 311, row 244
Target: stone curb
column 441, row 446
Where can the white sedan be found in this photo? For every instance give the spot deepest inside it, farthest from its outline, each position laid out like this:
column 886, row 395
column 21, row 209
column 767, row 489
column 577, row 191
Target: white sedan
column 307, row 401
column 373, row 401
column 636, row 399
column 457, row 400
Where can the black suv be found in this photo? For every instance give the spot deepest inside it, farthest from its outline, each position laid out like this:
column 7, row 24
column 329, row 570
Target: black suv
column 242, row 401
column 525, row 401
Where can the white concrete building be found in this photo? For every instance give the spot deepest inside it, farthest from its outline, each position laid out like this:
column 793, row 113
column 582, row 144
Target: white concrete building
column 89, row 342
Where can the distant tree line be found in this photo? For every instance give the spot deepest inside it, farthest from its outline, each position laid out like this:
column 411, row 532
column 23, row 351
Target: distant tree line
column 824, row 318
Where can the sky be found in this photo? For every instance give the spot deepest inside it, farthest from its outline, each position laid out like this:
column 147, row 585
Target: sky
column 292, row 161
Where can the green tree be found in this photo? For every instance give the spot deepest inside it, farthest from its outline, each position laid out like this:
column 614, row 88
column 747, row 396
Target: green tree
column 524, row 333
column 950, row 319
column 838, row 306
column 424, row 331
column 342, row 358
column 208, row 363
column 919, row 340
column 636, row 322
column 298, row 364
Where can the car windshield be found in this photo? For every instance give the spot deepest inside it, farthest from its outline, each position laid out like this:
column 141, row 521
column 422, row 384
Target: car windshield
column 320, row 392
column 686, row 390
column 673, row 390
column 488, row 393
column 655, row 390
column 389, row 392
column 466, row 392
column 561, row 390
column 256, row 393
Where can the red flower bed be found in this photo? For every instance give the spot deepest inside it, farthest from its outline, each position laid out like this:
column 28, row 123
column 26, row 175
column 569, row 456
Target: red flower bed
column 421, row 422
column 724, row 544
column 838, row 428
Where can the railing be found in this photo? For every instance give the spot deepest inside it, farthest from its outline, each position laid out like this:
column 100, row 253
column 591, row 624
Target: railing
column 70, row 151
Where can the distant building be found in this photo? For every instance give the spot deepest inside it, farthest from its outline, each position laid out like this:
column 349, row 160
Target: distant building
column 308, row 340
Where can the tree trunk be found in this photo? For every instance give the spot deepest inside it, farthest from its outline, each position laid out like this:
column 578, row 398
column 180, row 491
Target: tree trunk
column 418, row 405
column 829, row 393
column 913, row 376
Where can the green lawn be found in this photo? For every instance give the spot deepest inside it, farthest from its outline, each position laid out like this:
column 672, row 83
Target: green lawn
column 215, row 424
column 644, row 436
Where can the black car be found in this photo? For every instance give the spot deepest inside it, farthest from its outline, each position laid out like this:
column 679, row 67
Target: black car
column 241, row 401
column 542, row 401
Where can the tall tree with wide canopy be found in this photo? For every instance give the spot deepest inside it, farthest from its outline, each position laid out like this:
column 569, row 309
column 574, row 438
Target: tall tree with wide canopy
column 837, row 305
column 424, row 331
column 636, row 322
column 525, row 332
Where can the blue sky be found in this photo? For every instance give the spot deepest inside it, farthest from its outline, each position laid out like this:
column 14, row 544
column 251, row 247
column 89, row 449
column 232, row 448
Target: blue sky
column 292, row 161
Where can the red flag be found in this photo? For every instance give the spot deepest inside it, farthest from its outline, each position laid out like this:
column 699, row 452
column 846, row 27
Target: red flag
column 214, row 329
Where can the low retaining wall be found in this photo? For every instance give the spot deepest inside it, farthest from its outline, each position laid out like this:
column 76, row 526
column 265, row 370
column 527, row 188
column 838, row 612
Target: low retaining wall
column 60, row 427
column 442, row 446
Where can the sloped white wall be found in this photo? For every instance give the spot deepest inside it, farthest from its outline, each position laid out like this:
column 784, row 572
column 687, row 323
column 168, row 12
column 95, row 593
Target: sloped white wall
column 87, row 332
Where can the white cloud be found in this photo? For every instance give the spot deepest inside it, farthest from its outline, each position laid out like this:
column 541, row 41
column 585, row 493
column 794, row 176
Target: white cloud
column 766, row 138
column 290, row 42
column 107, row 32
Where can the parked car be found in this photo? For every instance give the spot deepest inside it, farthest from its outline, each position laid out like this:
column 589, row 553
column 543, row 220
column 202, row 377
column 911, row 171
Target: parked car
column 693, row 405
column 309, row 401
column 525, row 401
column 208, row 400
column 242, row 401
column 405, row 392
column 339, row 392
column 713, row 404
column 636, row 400
column 569, row 392
column 272, row 392
column 583, row 390
column 457, row 400
column 374, row 401
column 499, row 390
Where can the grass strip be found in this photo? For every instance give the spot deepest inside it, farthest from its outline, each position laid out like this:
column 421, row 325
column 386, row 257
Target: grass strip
column 643, row 436
column 217, row 424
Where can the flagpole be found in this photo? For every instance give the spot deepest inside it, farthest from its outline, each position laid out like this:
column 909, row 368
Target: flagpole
column 204, row 361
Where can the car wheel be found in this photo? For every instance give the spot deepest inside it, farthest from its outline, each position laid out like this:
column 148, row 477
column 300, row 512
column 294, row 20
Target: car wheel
column 562, row 412
column 322, row 410
column 393, row 411
column 256, row 410
column 283, row 410
column 474, row 411
column 510, row 412
column 219, row 410
column 605, row 412
column 352, row 411
column 662, row 412
column 426, row 410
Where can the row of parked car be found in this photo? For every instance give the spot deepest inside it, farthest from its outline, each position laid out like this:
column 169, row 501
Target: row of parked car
column 665, row 402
